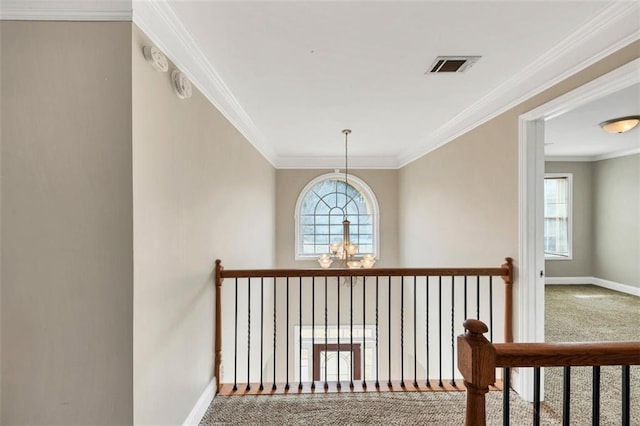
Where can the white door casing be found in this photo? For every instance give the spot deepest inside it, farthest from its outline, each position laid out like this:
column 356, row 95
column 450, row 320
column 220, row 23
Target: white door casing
column 530, row 273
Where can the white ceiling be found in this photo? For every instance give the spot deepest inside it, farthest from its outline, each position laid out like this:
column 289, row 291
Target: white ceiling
column 577, row 133
column 290, row 75
column 303, row 71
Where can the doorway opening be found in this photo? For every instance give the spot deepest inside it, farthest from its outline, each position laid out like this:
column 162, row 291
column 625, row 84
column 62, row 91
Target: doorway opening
column 343, row 353
column 531, row 273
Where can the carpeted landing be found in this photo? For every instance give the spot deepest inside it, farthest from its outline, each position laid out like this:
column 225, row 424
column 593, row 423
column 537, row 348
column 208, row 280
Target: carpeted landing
column 582, row 313
column 397, row 408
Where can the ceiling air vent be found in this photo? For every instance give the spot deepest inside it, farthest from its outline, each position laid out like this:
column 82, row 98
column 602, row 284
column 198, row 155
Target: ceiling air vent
column 452, row 64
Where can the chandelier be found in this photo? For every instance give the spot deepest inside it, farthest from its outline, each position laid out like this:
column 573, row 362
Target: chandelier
column 345, row 252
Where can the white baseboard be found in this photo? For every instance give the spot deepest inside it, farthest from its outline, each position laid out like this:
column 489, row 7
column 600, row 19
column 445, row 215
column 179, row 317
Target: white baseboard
column 611, row 285
column 196, row 414
column 569, row 280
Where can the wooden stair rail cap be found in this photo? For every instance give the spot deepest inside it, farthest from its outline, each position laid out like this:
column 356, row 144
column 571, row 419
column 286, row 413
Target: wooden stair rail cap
column 476, row 356
column 475, row 326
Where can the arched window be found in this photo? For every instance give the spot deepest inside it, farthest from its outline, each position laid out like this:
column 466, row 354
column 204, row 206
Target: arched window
column 322, row 206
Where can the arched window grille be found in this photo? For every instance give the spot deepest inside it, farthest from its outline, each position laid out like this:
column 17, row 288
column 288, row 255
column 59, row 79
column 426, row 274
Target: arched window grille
column 322, row 206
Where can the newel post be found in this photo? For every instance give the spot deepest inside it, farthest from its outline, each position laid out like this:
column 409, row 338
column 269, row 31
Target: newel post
column 477, row 363
column 508, row 300
column 218, row 336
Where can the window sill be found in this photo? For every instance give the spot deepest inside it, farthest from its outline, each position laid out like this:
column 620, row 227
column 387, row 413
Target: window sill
column 557, row 257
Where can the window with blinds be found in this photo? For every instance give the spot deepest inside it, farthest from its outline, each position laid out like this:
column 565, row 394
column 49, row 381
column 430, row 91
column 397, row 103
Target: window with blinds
column 557, row 215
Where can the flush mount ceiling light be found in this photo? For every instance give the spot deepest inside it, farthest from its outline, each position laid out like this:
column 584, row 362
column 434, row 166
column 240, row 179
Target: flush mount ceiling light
column 620, row 125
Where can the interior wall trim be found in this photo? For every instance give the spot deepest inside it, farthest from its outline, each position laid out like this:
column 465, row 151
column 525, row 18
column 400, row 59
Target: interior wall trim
column 587, row 159
column 616, row 154
column 56, row 10
column 335, row 162
column 201, row 406
column 569, row 158
column 568, row 280
column 160, row 23
column 611, row 285
column 611, row 30
column 531, row 266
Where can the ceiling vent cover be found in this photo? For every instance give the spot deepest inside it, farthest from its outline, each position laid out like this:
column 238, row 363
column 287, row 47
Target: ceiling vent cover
column 452, row 64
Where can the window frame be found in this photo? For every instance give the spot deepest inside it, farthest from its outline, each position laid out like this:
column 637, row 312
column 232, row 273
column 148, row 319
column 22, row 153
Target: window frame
column 569, row 177
column 361, row 186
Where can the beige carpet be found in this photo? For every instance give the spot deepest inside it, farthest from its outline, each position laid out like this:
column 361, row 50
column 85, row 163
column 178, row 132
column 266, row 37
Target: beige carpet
column 576, row 313
column 397, row 408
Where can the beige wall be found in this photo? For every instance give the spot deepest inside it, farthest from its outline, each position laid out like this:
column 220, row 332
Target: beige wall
column 581, row 264
column 290, row 183
column 617, row 220
column 67, row 273
column 459, row 204
column 0, row 222
column 383, row 183
column 606, row 228
column 200, row 192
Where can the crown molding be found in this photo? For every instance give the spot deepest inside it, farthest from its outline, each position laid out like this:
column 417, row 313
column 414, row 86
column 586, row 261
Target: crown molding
column 616, row 154
column 612, row 29
column 568, row 158
column 57, row 10
column 159, row 22
column 607, row 32
column 618, row 79
column 591, row 158
column 335, row 162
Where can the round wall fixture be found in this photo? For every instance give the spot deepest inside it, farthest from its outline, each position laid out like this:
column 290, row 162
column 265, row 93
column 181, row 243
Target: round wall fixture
column 181, row 84
column 156, row 58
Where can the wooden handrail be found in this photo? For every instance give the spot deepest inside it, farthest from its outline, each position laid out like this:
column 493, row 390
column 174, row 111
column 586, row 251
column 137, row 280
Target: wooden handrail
column 567, row 354
column 381, row 272
column 478, row 359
